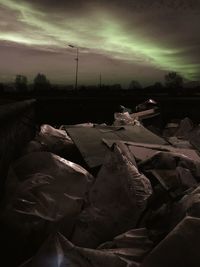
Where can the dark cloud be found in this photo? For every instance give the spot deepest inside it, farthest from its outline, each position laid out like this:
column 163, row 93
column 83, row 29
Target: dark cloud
column 172, row 22
column 167, row 26
column 141, row 5
column 121, row 34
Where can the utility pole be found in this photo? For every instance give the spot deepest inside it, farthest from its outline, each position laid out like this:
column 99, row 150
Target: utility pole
column 77, row 61
column 100, row 80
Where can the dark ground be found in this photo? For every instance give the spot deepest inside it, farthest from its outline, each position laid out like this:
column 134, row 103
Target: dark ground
column 76, row 107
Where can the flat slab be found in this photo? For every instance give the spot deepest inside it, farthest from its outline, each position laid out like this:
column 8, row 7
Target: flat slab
column 180, row 248
column 90, row 144
column 143, row 151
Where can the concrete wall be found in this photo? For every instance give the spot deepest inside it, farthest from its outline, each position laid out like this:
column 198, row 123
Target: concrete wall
column 17, row 127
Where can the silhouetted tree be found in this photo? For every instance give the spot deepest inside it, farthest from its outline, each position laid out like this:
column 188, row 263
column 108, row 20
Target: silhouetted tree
column 21, row 83
column 41, row 82
column 134, row 85
column 1, row 87
column 173, row 80
column 158, row 85
column 174, row 83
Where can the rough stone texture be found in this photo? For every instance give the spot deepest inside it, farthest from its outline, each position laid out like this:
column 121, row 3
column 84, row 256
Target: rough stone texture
column 116, row 201
column 179, row 249
column 58, row 251
column 44, row 192
column 17, row 127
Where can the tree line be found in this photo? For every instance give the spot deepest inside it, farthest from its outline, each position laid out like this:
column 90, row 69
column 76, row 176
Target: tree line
column 40, row 82
column 173, row 84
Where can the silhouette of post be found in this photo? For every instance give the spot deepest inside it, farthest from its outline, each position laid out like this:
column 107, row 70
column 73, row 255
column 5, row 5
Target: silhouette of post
column 100, row 80
column 77, row 60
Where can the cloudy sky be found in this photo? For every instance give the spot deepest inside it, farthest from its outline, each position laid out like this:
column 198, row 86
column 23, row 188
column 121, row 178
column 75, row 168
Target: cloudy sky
column 123, row 40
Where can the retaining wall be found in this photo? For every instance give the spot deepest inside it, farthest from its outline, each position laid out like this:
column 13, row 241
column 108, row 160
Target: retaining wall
column 17, row 127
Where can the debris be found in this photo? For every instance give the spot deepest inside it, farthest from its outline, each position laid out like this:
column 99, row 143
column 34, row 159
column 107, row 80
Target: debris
column 49, row 132
column 33, row 146
column 47, row 163
column 87, row 124
column 55, row 141
column 137, row 240
column 170, row 129
column 184, row 129
column 194, row 137
column 133, row 211
column 179, row 248
column 180, row 143
column 149, row 104
column 90, row 144
column 171, row 160
column 58, row 251
column 123, row 119
column 124, row 109
column 188, row 205
column 115, row 202
column 42, row 191
column 146, row 114
column 142, row 151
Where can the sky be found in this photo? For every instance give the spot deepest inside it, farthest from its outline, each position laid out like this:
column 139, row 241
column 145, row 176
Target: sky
column 122, row 40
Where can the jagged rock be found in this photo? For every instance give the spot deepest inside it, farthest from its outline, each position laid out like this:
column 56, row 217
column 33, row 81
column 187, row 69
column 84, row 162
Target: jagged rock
column 179, row 248
column 56, row 141
column 116, row 201
column 184, row 129
column 134, row 244
column 169, row 161
column 58, row 251
column 48, row 191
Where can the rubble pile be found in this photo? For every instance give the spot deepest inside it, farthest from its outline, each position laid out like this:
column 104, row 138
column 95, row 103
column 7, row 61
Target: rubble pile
column 118, row 195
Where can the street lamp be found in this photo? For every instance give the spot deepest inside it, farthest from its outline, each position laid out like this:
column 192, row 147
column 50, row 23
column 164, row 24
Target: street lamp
column 77, row 59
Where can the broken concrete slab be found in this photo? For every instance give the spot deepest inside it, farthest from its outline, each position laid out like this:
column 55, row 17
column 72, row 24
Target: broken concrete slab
column 135, row 237
column 33, row 146
column 49, row 164
column 171, row 160
column 165, row 213
column 180, row 143
column 56, row 141
column 176, row 181
column 58, row 251
column 194, row 137
column 134, row 244
column 176, row 173
column 143, row 151
column 188, row 205
column 93, row 150
column 148, row 182
column 170, row 129
column 184, row 129
column 115, row 202
column 146, row 114
column 85, row 125
column 179, row 248
column 42, row 190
